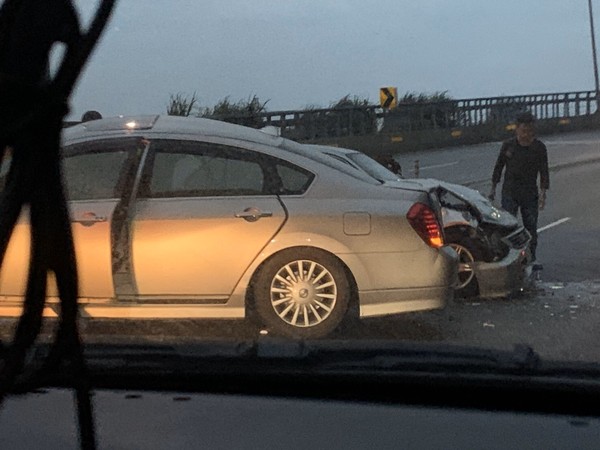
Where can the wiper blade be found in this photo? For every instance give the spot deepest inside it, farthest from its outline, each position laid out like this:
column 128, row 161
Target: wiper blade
column 267, row 356
column 389, row 355
column 315, row 355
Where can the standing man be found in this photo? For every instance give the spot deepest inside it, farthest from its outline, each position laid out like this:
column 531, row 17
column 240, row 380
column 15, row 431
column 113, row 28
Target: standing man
column 524, row 157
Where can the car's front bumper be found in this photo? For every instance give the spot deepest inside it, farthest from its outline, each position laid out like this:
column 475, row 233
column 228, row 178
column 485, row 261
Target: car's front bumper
column 502, row 278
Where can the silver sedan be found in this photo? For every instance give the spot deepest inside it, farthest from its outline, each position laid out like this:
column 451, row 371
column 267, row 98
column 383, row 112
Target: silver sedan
column 193, row 218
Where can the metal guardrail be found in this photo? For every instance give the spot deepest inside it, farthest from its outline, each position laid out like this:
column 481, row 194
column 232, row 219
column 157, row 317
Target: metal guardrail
column 311, row 124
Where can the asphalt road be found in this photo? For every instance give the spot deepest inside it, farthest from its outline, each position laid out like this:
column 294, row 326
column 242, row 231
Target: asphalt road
column 570, row 250
column 560, row 321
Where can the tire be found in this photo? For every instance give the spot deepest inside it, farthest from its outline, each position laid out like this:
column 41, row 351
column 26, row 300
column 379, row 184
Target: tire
column 302, row 293
column 468, row 252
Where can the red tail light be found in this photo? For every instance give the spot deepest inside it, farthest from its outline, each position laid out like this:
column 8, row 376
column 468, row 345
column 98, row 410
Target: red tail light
column 423, row 220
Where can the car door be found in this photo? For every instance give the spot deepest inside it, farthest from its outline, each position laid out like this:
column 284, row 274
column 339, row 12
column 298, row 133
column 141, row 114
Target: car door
column 204, row 213
column 95, row 177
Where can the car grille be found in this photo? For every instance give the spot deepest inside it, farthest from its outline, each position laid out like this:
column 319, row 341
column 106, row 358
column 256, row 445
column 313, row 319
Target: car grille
column 517, row 239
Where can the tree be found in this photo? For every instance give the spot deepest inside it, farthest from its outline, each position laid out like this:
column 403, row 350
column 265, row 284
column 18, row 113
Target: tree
column 181, row 105
column 352, row 116
column 249, row 112
column 348, row 116
column 421, row 111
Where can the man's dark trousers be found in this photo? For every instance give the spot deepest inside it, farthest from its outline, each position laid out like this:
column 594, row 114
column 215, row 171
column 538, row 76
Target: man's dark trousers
column 527, row 201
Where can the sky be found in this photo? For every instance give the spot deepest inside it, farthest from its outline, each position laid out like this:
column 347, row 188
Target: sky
column 302, row 53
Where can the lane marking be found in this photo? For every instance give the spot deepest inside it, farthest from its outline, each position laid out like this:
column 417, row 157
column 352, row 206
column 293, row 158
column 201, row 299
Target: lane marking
column 437, row 166
column 553, row 224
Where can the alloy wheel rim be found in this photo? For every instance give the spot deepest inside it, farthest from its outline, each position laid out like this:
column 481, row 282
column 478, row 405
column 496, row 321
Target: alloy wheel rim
column 465, row 265
column 303, row 293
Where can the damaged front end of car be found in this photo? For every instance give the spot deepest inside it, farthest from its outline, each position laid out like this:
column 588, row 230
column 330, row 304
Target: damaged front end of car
column 491, row 244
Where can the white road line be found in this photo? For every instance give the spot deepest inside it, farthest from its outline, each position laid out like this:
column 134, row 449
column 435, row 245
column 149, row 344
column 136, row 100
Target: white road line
column 553, row 224
column 437, row 166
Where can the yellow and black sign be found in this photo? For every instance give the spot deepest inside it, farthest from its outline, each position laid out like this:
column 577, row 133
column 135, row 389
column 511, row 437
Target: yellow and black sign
column 388, row 97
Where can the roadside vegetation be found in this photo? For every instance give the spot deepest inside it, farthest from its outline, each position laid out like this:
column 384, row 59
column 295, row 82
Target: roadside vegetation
column 348, row 115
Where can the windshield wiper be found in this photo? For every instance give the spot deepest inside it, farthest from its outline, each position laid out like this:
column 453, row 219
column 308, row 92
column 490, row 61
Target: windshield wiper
column 373, row 371
column 390, row 356
column 268, row 356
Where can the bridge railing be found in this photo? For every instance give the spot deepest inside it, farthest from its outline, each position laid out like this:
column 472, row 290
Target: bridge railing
column 324, row 123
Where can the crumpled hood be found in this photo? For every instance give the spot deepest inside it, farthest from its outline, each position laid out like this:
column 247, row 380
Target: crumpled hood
column 489, row 213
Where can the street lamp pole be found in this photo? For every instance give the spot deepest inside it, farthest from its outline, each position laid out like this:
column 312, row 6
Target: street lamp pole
column 594, row 53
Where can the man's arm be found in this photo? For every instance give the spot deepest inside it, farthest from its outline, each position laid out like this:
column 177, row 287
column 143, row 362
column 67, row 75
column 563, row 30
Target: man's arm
column 498, row 168
column 544, row 172
column 544, row 175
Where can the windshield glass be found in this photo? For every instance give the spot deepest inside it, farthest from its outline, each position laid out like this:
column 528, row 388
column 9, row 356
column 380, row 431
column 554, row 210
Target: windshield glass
column 204, row 209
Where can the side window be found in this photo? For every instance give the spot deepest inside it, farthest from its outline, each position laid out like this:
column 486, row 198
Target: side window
column 294, row 180
column 93, row 176
column 183, row 169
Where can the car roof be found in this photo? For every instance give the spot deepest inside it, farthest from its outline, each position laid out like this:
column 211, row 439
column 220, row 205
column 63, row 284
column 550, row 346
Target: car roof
column 149, row 125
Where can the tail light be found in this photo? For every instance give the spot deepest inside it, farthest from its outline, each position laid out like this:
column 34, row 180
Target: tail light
column 424, row 221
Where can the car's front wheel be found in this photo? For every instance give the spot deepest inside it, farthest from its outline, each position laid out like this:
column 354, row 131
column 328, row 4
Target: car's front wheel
column 468, row 252
column 302, row 293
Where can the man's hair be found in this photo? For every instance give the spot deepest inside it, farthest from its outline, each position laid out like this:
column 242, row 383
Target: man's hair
column 525, row 118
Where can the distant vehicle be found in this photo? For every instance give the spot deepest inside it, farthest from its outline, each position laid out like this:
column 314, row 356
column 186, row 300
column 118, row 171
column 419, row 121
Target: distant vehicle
column 491, row 245
column 193, row 218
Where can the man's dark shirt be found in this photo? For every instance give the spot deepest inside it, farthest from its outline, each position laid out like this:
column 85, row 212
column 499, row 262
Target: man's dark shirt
column 522, row 167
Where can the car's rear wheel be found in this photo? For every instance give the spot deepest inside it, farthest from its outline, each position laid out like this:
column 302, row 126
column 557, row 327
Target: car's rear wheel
column 468, row 252
column 302, row 293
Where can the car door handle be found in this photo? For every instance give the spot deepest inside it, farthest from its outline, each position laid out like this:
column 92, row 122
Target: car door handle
column 253, row 214
column 88, row 219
